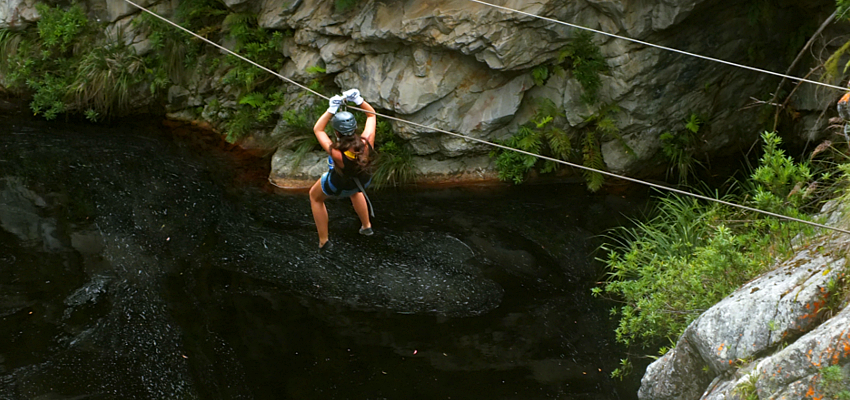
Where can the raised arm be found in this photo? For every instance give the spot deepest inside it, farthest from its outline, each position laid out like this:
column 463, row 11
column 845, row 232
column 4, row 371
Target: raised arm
column 371, row 122
column 322, row 123
column 353, row 95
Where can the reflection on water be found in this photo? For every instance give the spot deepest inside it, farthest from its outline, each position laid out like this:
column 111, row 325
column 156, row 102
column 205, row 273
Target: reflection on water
column 133, row 267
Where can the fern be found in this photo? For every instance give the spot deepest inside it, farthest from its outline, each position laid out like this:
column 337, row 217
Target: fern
column 539, row 74
column 592, row 155
column 587, row 64
column 315, row 70
column 253, row 99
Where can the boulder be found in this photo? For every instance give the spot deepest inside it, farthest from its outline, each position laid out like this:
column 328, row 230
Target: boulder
column 17, row 14
column 773, row 309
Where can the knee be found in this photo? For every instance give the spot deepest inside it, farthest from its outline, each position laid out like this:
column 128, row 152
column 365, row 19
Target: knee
column 316, row 194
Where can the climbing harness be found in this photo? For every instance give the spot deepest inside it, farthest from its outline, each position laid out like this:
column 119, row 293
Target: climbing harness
column 503, row 147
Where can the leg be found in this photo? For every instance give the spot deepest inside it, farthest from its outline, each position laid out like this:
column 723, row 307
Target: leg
column 320, row 213
column 362, row 209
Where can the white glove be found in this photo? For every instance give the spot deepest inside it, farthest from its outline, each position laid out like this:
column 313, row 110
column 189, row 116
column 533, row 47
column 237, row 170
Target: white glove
column 353, row 95
column 334, row 103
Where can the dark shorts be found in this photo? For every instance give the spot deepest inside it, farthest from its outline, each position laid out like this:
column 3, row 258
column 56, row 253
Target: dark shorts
column 331, row 191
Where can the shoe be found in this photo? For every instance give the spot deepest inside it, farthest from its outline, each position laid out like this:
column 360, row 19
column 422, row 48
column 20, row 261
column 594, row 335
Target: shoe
column 366, row 231
column 327, row 247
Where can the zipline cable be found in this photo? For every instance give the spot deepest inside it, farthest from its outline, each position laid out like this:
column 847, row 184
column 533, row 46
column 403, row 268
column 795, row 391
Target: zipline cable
column 227, row 50
column 503, row 147
column 717, row 60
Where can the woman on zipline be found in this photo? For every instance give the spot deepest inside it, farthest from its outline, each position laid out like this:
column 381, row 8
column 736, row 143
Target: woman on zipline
column 349, row 162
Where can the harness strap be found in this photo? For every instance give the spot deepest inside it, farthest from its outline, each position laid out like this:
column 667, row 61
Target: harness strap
column 368, row 202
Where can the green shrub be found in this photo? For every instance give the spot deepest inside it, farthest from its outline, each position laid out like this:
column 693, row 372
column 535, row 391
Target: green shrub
column 341, row 6
column 833, row 383
column 679, row 148
column 690, row 254
column 60, row 28
column 49, row 94
column 104, row 79
column 780, row 182
column 587, row 63
column 394, row 163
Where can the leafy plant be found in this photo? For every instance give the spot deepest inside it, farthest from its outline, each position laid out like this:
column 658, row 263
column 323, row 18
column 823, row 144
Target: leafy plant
column 513, row 166
column 254, row 43
column 105, row 78
column 679, row 148
column 624, row 370
column 688, row 255
column 747, row 390
column 540, row 73
column 341, row 6
column 393, row 165
column 833, row 384
column 599, row 125
column 587, row 64
column 779, row 180
column 60, row 28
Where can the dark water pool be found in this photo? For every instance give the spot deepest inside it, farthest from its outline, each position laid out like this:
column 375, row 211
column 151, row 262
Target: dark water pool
column 135, row 263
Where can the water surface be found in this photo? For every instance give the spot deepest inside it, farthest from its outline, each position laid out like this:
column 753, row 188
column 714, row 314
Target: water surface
column 139, row 263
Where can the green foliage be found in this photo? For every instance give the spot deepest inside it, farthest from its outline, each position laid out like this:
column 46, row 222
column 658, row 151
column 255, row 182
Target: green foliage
column 747, row 390
column 679, row 148
column 833, row 383
column 315, row 70
column 587, row 64
column 540, row 73
column 341, row 6
column 92, row 115
column 60, row 28
column 689, row 255
column 394, row 162
column 514, row 166
column 105, row 76
column 599, row 125
column 201, row 15
column 675, row 266
column 624, row 370
column 256, row 44
column 543, row 135
column 67, row 67
column 843, row 7
column 779, row 180
column 592, row 158
column 255, row 108
column 48, row 95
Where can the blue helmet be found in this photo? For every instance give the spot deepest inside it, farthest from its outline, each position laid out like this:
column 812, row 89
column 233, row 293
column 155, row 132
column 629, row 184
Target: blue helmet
column 344, row 123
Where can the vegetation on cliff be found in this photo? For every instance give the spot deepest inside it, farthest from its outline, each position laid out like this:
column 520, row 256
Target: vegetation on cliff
column 690, row 254
column 70, row 65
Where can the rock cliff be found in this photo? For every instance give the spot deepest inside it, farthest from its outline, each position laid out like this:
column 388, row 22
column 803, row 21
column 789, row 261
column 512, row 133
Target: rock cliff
column 784, row 335
column 469, row 68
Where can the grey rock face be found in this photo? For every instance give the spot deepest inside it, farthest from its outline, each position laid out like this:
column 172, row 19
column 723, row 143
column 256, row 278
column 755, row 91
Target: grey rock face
column 466, row 67
column 735, row 338
column 764, row 312
column 17, row 14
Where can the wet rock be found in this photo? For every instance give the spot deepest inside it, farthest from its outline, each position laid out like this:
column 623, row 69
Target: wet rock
column 678, row 375
column 21, row 215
